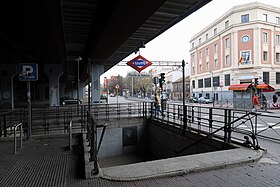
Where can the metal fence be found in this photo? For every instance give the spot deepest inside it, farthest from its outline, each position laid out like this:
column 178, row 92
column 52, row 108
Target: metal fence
column 225, row 123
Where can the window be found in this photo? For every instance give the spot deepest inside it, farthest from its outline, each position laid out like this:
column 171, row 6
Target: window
column 193, row 71
column 207, row 51
column 192, row 59
column 215, row 48
column 207, row 66
column 277, row 58
column 277, row 39
column 245, row 18
column 200, row 67
column 264, row 17
column 207, row 82
column 264, row 37
column 200, row 55
column 215, row 32
column 278, row 20
column 192, row 45
column 193, row 83
column 227, row 43
column 227, row 60
column 199, row 40
column 206, row 36
column 227, row 80
column 227, row 24
column 266, row 77
column 216, row 63
column 200, row 83
column 277, row 77
column 216, row 81
column 265, row 56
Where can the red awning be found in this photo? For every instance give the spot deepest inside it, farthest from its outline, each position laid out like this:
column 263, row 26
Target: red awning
column 239, row 87
column 265, row 88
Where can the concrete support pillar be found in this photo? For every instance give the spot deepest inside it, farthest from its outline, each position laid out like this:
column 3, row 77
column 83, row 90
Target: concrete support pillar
column 96, row 71
column 42, row 88
column 54, row 71
column 7, row 72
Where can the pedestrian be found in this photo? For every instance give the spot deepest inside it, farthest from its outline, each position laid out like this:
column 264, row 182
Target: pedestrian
column 256, row 102
column 274, row 98
column 158, row 104
column 264, row 102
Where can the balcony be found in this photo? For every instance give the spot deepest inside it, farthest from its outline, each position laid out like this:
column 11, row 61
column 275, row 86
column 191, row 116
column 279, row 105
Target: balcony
column 245, row 64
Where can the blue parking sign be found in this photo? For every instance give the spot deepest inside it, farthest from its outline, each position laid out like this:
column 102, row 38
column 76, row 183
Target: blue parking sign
column 28, row 72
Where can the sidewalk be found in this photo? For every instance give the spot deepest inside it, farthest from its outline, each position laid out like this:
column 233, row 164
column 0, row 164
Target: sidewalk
column 48, row 162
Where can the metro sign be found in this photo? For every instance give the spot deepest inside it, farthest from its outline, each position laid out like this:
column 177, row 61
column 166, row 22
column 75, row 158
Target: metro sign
column 139, row 63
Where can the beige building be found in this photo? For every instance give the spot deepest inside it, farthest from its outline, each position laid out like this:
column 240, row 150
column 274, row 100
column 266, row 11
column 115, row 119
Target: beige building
column 241, row 46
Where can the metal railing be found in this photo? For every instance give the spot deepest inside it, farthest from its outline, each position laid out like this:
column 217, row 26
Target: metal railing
column 15, row 136
column 206, row 120
column 8, row 119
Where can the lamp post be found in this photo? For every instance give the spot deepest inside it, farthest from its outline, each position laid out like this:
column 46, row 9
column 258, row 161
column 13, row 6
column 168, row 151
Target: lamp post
column 184, row 110
column 106, row 87
column 78, row 59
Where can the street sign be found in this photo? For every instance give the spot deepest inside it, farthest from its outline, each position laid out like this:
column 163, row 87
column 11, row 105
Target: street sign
column 28, row 72
column 155, row 80
column 139, row 63
column 117, row 86
column 138, row 75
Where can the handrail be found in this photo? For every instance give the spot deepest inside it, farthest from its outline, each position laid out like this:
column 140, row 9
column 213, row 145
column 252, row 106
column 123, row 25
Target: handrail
column 211, row 134
column 15, row 137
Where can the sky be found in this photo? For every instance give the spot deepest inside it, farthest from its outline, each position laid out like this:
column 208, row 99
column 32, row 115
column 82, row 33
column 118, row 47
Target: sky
column 173, row 44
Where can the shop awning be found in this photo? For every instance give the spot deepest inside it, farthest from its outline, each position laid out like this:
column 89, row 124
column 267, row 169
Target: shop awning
column 239, row 87
column 265, row 88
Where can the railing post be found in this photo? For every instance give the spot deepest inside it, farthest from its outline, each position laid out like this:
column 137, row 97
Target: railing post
column 15, row 137
column 210, row 121
column 70, row 135
column 225, row 125
column 5, row 125
column 199, row 120
column 229, row 126
column 256, row 125
column 192, row 114
column 184, row 121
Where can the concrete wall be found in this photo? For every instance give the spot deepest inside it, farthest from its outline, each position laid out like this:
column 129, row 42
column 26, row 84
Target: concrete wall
column 165, row 140
column 122, row 136
column 155, row 138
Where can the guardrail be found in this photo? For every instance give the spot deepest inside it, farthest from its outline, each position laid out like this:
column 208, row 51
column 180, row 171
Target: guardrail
column 15, row 137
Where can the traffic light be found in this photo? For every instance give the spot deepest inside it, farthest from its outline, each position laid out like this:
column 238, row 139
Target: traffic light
column 162, row 78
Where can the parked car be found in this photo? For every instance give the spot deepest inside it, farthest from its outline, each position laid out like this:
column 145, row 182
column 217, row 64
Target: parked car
column 204, row 100
column 193, row 100
column 112, row 95
column 103, row 99
column 69, row 100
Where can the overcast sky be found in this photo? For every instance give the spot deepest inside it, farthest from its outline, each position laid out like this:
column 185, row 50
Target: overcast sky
column 173, row 45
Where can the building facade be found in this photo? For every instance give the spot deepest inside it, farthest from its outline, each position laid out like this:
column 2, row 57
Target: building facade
column 177, row 94
column 241, row 46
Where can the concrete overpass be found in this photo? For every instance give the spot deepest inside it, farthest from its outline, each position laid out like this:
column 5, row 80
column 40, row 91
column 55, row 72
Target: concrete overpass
column 54, row 33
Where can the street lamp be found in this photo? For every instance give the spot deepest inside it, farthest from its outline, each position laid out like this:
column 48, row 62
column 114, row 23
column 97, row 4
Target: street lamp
column 184, row 109
column 106, row 87
column 78, row 59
